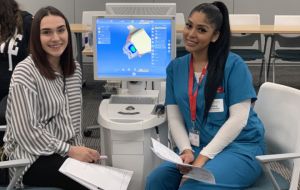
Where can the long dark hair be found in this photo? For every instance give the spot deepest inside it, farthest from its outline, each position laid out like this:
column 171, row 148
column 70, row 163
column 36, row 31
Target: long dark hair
column 10, row 19
column 217, row 15
column 39, row 55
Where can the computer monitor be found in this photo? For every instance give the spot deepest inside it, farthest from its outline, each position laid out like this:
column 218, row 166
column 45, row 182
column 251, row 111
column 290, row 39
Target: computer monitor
column 141, row 8
column 133, row 48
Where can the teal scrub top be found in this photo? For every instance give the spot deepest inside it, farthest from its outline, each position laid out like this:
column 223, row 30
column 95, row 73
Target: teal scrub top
column 236, row 87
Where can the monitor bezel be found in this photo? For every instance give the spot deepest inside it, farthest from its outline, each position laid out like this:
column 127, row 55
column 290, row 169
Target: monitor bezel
column 110, row 7
column 158, row 17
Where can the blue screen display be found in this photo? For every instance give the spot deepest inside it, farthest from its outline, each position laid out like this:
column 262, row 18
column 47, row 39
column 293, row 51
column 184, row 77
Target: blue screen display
column 132, row 49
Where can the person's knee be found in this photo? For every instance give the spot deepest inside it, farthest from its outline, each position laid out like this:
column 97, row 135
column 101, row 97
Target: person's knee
column 152, row 178
column 163, row 177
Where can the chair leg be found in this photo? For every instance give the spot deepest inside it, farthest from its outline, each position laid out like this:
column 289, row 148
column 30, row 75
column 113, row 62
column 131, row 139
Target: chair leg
column 273, row 65
column 268, row 69
column 19, row 171
column 266, row 76
column 261, row 71
column 269, row 173
column 271, row 55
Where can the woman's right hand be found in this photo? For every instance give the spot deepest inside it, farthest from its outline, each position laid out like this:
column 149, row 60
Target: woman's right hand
column 187, row 157
column 84, row 154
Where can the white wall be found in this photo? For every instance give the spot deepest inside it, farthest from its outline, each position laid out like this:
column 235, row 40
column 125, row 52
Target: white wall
column 87, row 5
column 266, row 8
column 185, row 6
column 66, row 6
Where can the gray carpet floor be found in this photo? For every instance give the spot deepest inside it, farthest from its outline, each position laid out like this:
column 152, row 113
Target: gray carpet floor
column 91, row 93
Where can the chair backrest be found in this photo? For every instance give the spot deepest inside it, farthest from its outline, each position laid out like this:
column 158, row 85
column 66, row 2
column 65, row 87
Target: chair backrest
column 278, row 107
column 246, row 40
column 287, row 20
column 2, row 127
column 179, row 21
column 87, row 16
column 244, row 19
column 2, row 133
column 287, row 40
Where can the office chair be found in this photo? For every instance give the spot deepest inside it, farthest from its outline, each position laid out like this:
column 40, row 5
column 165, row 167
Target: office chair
column 180, row 49
column 285, row 47
column 20, row 165
column 3, row 104
column 248, row 46
column 179, row 19
column 278, row 108
column 87, row 19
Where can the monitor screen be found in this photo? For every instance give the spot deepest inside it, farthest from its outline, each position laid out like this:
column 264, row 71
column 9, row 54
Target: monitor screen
column 131, row 48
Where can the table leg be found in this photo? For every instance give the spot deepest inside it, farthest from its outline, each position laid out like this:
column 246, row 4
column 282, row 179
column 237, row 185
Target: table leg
column 269, row 58
column 267, row 64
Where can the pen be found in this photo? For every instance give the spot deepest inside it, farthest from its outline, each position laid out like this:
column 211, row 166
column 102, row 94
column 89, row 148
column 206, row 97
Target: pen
column 103, row 157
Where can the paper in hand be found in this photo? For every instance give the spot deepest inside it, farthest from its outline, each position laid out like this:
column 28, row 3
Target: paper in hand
column 167, row 154
column 95, row 176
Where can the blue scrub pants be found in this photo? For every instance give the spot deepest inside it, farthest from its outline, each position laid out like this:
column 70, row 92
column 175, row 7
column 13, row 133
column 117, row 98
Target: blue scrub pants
column 231, row 171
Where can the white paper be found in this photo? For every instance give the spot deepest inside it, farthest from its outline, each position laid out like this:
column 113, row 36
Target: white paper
column 95, row 176
column 167, row 154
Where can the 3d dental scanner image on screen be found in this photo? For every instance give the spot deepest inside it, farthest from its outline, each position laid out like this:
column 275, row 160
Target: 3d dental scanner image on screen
column 138, row 42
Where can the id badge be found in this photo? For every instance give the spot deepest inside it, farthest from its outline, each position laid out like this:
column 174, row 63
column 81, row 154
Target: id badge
column 217, row 106
column 194, row 138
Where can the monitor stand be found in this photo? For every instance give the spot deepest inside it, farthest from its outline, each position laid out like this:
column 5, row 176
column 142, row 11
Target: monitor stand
column 133, row 87
column 136, row 88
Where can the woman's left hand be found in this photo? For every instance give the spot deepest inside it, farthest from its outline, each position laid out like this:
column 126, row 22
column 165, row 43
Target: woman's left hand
column 200, row 161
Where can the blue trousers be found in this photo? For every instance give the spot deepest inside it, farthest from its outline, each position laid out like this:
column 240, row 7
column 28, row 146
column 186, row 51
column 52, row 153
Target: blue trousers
column 231, row 171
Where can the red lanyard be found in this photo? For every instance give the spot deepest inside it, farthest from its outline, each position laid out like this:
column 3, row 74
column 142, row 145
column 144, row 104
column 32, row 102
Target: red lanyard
column 193, row 96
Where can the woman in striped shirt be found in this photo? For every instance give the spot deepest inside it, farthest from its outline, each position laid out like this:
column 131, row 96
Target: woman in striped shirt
column 44, row 105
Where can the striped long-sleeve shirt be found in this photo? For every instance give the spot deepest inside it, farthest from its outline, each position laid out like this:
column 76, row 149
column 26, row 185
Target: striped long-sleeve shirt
column 43, row 116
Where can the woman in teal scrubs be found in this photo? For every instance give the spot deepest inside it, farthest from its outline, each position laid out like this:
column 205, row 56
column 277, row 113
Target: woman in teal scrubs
column 209, row 95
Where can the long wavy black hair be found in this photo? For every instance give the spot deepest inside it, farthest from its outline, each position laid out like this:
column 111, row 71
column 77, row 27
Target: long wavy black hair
column 10, row 19
column 217, row 15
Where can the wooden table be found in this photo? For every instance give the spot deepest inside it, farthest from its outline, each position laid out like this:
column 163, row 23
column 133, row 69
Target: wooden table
column 78, row 29
column 263, row 29
column 253, row 29
column 267, row 30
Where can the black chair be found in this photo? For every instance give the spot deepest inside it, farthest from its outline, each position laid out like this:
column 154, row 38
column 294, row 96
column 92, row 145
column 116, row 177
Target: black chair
column 248, row 46
column 18, row 164
column 3, row 103
column 181, row 51
column 281, row 53
column 284, row 47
